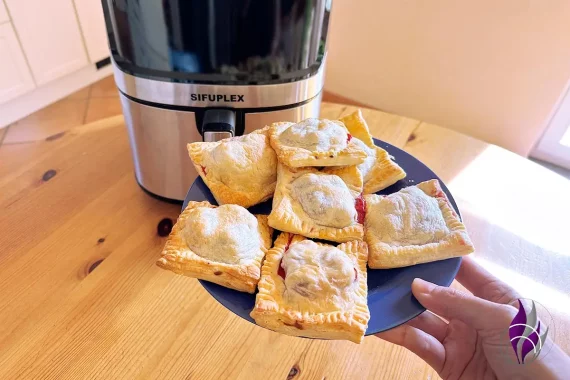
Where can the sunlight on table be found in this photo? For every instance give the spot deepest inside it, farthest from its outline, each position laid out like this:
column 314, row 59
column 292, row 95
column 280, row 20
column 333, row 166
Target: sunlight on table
column 517, row 215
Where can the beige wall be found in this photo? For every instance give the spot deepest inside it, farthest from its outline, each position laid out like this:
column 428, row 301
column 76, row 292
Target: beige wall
column 493, row 69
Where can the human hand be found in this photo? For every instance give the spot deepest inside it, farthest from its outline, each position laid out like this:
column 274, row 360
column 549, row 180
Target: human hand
column 471, row 341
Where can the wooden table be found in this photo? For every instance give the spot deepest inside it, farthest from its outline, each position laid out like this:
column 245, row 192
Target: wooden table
column 81, row 296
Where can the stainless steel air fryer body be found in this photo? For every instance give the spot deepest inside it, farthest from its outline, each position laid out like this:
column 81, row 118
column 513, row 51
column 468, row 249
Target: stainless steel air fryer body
column 196, row 70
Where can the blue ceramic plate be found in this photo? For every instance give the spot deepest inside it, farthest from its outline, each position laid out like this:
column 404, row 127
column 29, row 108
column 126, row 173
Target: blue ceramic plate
column 390, row 298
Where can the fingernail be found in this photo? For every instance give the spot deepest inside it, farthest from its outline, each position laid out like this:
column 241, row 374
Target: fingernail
column 422, row 286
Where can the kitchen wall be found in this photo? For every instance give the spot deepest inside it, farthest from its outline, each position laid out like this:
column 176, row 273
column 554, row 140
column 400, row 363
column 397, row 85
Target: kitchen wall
column 48, row 53
column 491, row 69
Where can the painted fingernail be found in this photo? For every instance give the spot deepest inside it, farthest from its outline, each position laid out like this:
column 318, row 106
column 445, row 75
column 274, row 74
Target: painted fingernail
column 422, row 286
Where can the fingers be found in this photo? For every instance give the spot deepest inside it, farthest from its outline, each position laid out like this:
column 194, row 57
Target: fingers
column 453, row 304
column 417, row 341
column 483, row 284
column 431, row 324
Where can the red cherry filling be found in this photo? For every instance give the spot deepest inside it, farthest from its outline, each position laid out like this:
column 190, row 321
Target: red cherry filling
column 360, row 205
column 203, row 169
column 348, row 138
column 280, row 270
column 355, row 274
column 440, row 194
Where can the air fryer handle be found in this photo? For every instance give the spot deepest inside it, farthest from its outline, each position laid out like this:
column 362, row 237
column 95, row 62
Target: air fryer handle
column 218, row 124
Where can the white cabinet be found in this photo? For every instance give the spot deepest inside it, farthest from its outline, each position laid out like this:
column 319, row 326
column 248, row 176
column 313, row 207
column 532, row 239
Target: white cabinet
column 50, row 36
column 15, row 78
column 3, row 14
column 92, row 21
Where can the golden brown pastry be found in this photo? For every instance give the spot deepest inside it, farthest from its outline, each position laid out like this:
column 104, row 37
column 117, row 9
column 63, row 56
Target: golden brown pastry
column 224, row 245
column 314, row 142
column 357, row 127
column 318, row 203
column 314, row 290
column 240, row 170
column 415, row 225
column 378, row 170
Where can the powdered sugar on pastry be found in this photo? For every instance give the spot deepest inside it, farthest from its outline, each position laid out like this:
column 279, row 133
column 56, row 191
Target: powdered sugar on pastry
column 320, row 274
column 226, row 234
column 325, row 199
column 246, row 162
column 408, row 217
column 316, row 135
column 370, row 159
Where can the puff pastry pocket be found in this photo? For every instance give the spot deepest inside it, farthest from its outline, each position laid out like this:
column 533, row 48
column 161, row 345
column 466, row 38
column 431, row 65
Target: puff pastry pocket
column 240, row 170
column 321, row 204
column 314, row 142
column 224, row 245
column 314, row 290
column 378, row 170
column 415, row 225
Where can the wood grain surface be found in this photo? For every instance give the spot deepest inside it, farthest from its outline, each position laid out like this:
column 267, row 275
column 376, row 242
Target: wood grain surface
column 82, row 298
